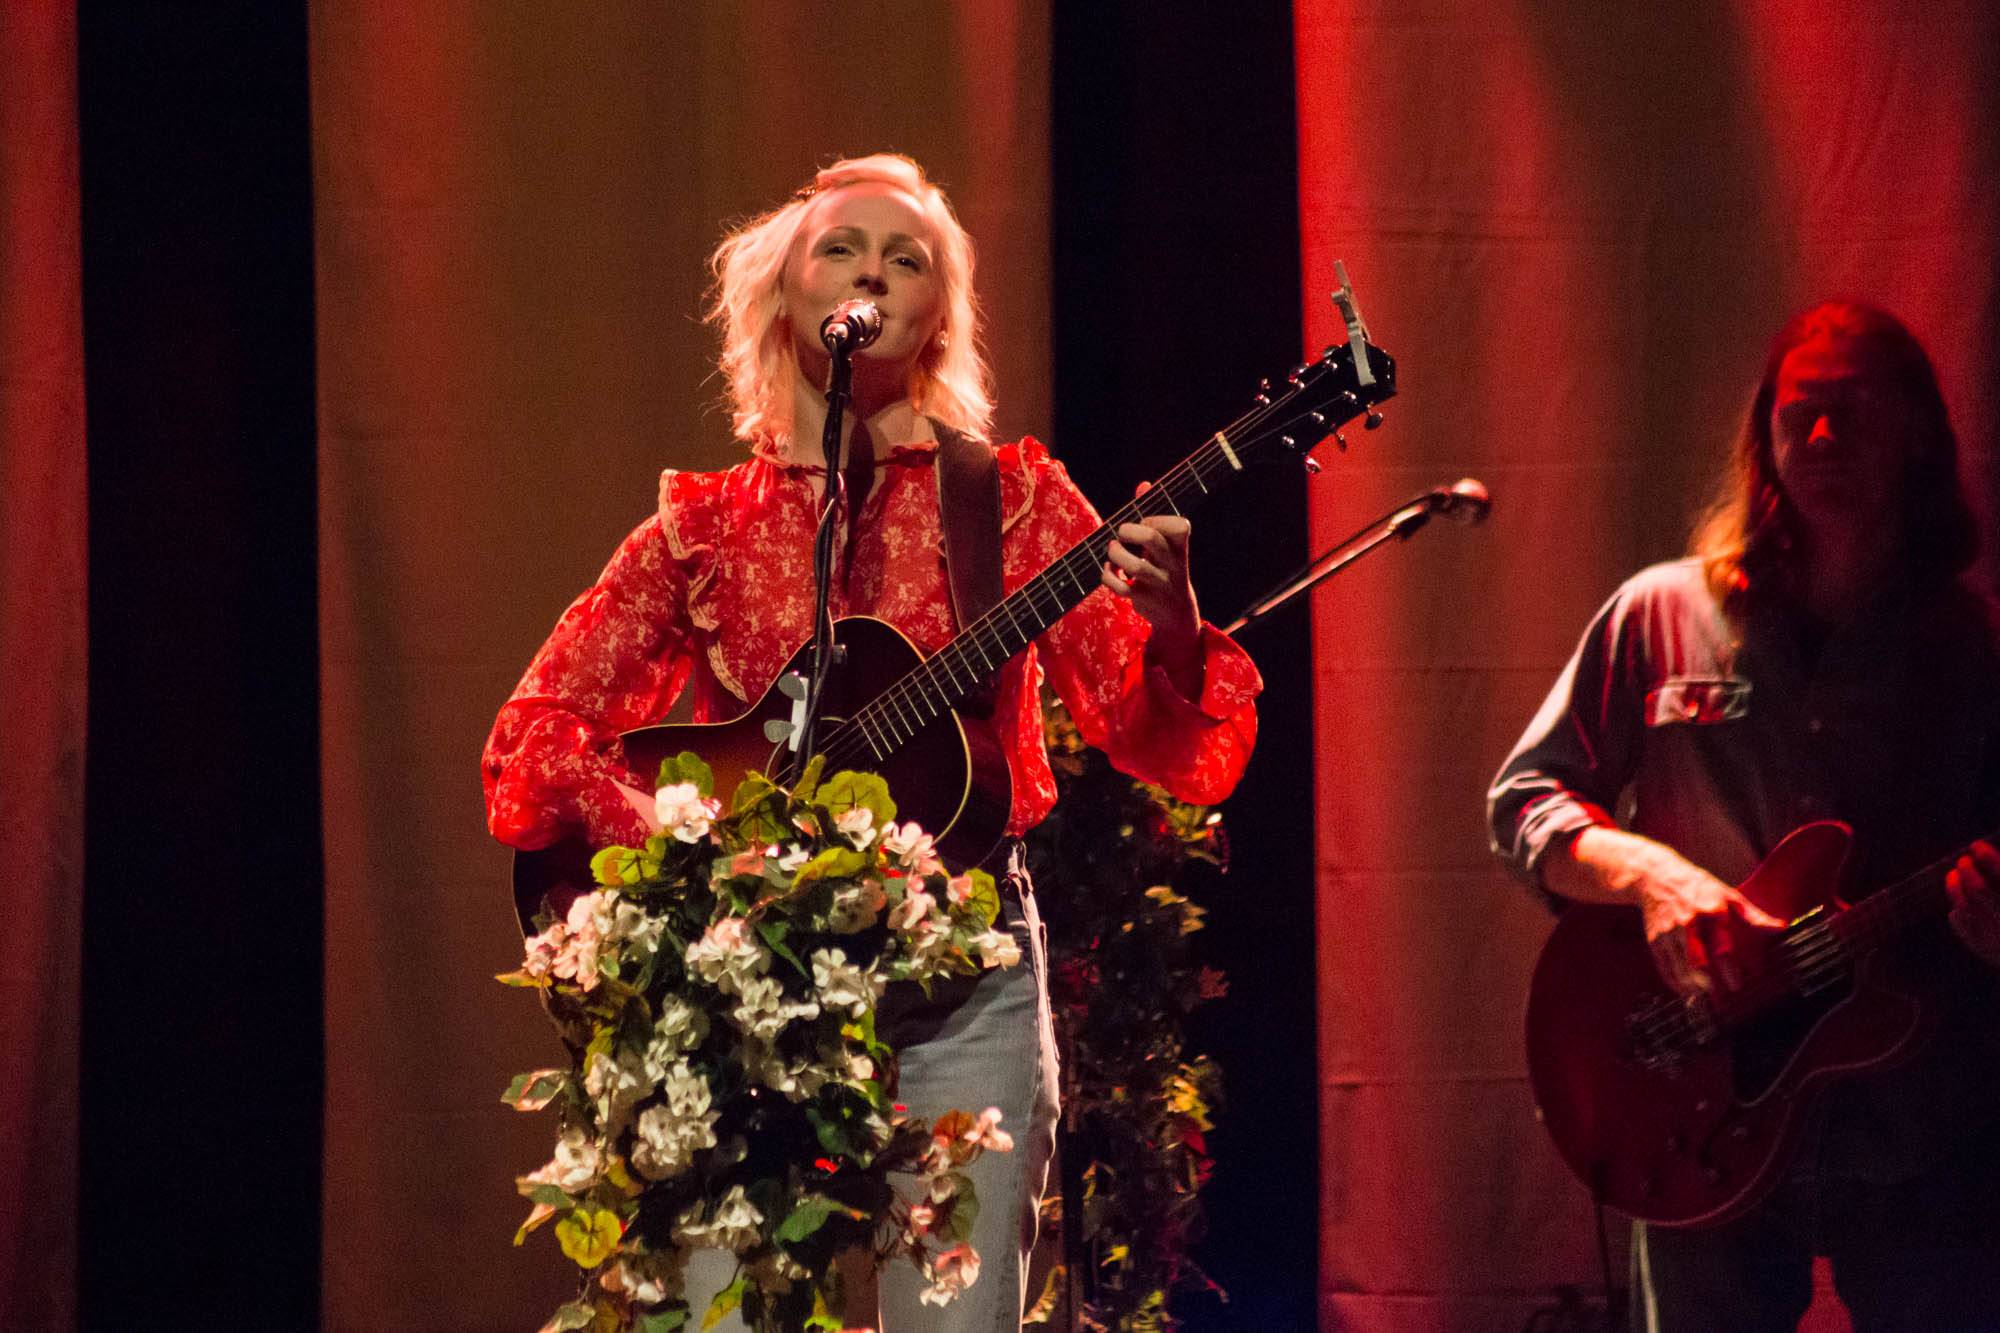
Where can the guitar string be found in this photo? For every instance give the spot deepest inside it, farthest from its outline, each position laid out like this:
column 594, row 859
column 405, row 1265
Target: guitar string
column 1864, row 923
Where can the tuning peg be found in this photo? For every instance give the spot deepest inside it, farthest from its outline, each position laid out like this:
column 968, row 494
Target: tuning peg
column 1328, row 352
column 1319, row 419
column 1372, row 420
column 1288, row 442
column 1312, row 466
column 1340, row 440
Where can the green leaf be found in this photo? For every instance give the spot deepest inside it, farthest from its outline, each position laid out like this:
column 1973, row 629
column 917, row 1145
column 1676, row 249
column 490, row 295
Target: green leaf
column 555, row 1196
column 725, row 1300
column 533, row 1091
column 773, row 933
column 755, row 789
column 808, row 781
column 809, row 1216
column 589, row 1236
column 847, row 790
column 833, row 863
column 576, row 1314
column 964, row 1210
column 616, row 867
column 687, row 766
column 664, row 1321
column 984, row 900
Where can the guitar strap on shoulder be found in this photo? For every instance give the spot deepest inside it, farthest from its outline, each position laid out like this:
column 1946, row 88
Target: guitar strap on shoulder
column 969, row 512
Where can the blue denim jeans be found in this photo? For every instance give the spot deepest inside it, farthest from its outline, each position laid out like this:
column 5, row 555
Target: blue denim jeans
column 974, row 1042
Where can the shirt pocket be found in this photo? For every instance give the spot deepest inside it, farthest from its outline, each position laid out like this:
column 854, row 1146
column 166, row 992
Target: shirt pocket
column 1697, row 701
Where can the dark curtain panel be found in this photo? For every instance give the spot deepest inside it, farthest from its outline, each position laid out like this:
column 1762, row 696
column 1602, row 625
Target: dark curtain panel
column 1578, row 226
column 1176, row 278
column 201, row 909
column 43, row 669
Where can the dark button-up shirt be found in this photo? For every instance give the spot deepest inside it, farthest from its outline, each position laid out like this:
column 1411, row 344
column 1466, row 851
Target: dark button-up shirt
column 1718, row 734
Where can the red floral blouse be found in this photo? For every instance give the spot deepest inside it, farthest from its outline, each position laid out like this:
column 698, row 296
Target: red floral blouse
column 715, row 590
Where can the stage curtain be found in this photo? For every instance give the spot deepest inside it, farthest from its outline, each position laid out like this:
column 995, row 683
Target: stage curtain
column 1577, row 226
column 514, row 203
column 43, row 649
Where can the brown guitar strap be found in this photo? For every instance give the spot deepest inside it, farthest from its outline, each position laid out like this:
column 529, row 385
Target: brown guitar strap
column 969, row 512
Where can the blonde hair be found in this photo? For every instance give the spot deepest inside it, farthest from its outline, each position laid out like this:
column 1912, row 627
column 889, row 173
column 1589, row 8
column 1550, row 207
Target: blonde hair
column 950, row 383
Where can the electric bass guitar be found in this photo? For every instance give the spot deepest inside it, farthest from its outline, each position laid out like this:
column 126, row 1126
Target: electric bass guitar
column 890, row 710
column 1682, row 1111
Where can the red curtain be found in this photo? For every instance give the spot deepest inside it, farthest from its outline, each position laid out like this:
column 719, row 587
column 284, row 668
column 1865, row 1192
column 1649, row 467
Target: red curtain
column 513, row 208
column 1577, row 226
column 43, row 620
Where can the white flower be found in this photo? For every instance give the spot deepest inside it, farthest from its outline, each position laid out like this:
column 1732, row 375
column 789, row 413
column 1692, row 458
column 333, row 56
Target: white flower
column 636, row 926
column 950, row 1273
column 997, row 948
column 856, row 907
column 680, row 1027
column 796, row 1082
column 841, row 985
column 857, row 826
column 575, row 1164
column 667, row 1136
column 732, row 1225
column 763, row 1012
column 648, row 1277
column 910, row 845
column 916, row 905
column 986, row 1132
column 728, row 954
column 615, row 1083
column 794, row 857
column 683, row 811
column 776, row 1271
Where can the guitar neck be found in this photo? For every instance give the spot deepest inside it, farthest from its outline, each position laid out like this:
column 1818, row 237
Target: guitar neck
column 958, row 669
column 1889, row 911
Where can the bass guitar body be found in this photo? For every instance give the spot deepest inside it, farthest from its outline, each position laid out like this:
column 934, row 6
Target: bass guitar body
column 950, row 775
column 1683, row 1111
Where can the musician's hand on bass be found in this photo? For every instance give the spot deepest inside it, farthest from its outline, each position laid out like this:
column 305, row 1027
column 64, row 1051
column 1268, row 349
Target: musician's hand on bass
column 1974, row 885
column 1687, row 911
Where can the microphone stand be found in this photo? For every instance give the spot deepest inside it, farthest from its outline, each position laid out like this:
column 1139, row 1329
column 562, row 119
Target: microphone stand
column 1401, row 523
column 839, row 382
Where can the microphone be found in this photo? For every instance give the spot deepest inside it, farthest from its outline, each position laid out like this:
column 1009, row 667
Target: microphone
column 1464, row 501
column 852, row 326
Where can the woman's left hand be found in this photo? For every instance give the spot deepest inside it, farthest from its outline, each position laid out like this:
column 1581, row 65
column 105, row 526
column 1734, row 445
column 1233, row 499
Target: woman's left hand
column 1974, row 886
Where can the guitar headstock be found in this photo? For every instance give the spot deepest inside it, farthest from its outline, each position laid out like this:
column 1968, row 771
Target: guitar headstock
column 1346, row 380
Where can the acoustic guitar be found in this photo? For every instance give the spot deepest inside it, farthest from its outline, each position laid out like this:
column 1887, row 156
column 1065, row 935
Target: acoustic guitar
column 1683, row 1111
column 891, row 710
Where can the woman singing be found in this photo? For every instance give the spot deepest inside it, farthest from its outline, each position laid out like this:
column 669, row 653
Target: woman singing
column 714, row 592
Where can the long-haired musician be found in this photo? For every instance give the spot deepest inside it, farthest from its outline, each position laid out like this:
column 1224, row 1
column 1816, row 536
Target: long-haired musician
column 1820, row 655
column 714, row 591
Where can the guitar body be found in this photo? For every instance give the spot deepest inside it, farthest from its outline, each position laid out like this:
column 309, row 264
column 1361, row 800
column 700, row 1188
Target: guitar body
column 1683, row 1112
column 951, row 776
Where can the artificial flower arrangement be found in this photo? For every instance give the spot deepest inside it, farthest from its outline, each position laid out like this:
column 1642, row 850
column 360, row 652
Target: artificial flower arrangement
column 727, row 1087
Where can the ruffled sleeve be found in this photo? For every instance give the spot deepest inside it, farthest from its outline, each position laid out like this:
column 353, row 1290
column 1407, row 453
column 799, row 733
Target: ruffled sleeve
column 616, row 660
column 1095, row 658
